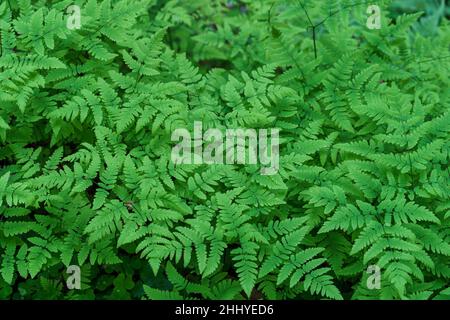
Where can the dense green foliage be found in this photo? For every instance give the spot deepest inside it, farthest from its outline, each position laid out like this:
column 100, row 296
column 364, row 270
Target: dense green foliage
column 86, row 117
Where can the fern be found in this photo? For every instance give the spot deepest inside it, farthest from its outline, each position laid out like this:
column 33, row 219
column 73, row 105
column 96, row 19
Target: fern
column 86, row 176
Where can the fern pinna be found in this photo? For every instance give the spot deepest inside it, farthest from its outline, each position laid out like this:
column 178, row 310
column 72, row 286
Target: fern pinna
column 86, row 178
